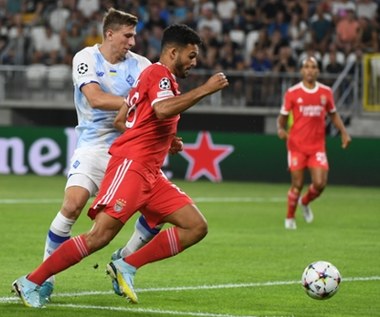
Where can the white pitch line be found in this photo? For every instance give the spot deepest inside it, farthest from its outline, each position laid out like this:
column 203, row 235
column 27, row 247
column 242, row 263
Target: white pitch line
column 9, row 201
column 199, row 287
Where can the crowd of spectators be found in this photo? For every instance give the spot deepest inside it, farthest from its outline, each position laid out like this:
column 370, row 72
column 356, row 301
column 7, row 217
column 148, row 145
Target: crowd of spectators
column 261, row 35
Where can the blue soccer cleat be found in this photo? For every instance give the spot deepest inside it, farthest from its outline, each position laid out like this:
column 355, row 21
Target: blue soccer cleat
column 122, row 275
column 46, row 290
column 29, row 292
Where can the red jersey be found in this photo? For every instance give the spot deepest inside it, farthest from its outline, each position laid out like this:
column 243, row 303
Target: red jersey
column 147, row 139
column 309, row 108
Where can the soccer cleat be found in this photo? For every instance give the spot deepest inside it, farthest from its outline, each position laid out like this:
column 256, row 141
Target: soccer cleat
column 46, row 290
column 122, row 275
column 29, row 292
column 307, row 212
column 290, row 223
column 116, row 255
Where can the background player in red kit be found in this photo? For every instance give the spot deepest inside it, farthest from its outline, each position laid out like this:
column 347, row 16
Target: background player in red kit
column 309, row 101
column 133, row 179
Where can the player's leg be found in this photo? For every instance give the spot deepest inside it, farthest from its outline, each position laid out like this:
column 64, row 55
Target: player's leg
column 318, row 184
column 77, row 193
column 294, row 192
column 68, row 254
column 190, row 227
column 318, row 167
column 142, row 234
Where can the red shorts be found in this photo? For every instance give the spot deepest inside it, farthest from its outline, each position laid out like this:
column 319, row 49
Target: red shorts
column 300, row 160
column 128, row 187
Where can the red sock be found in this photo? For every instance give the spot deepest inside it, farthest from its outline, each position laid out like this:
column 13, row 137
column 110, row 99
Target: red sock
column 68, row 253
column 310, row 195
column 164, row 245
column 292, row 203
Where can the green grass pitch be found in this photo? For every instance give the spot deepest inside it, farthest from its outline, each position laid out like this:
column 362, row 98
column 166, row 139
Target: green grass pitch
column 248, row 264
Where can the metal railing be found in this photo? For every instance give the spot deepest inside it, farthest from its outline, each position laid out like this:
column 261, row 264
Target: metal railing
column 249, row 92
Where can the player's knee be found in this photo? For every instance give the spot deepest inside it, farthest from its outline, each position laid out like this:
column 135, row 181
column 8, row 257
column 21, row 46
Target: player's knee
column 71, row 210
column 319, row 186
column 200, row 230
column 96, row 242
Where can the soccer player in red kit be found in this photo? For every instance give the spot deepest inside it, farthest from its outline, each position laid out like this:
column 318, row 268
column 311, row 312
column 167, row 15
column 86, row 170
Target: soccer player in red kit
column 309, row 101
column 133, row 180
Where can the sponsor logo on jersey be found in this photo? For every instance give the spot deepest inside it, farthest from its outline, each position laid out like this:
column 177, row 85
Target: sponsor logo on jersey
column 323, row 100
column 120, row 204
column 100, row 74
column 130, row 80
column 311, row 110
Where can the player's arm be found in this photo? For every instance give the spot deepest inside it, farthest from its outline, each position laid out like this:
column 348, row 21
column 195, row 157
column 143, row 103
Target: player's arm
column 98, row 99
column 282, row 121
column 170, row 107
column 338, row 123
column 119, row 121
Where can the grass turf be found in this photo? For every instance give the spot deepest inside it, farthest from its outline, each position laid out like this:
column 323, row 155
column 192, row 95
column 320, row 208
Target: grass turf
column 248, row 265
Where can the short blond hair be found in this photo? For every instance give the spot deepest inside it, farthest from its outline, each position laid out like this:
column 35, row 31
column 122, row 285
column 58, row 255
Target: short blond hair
column 114, row 19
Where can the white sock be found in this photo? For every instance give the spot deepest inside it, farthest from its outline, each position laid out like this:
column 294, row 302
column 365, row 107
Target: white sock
column 141, row 236
column 59, row 232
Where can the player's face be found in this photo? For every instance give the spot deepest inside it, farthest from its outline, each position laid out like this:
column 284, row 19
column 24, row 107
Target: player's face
column 309, row 71
column 186, row 59
column 123, row 40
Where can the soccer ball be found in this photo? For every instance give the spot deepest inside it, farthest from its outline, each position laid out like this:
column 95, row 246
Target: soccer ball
column 321, row 280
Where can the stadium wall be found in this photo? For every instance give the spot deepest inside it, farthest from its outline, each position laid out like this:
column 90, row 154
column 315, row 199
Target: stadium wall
column 216, row 156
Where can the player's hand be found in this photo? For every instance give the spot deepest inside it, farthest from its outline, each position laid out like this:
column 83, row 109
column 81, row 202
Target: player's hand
column 176, row 146
column 217, row 82
column 346, row 140
column 282, row 134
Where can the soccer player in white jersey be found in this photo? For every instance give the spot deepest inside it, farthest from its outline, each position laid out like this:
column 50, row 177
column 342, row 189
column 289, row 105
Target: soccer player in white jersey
column 103, row 75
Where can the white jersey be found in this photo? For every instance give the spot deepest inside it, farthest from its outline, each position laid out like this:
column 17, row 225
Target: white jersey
column 95, row 127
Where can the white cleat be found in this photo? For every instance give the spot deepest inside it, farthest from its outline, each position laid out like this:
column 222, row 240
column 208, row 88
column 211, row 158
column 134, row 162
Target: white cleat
column 307, row 212
column 290, row 224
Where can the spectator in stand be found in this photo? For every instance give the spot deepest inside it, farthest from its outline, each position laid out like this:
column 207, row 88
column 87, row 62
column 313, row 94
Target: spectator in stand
column 73, row 42
column 285, row 62
column 154, row 37
column 339, row 56
column 279, row 24
column 208, row 18
column 368, row 37
column 258, row 90
column 276, row 42
column 226, row 10
column 180, row 11
column 333, row 66
column 248, row 21
column 269, row 9
column 298, row 31
column 58, row 17
column 348, row 32
column 299, row 7
column 19, row 40
column 340, row 8
column 46, row 46
column 93, row 36
column 209, row 50
column 321, row 28
column 88, row 8
column 230, row 58
column 366, row 9
column 156, row 17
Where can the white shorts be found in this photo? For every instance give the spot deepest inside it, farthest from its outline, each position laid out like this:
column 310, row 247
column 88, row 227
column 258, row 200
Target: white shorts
column 87, row 168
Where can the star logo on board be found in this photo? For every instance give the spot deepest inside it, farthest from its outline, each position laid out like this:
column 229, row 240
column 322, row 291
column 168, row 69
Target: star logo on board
column 204, row 157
